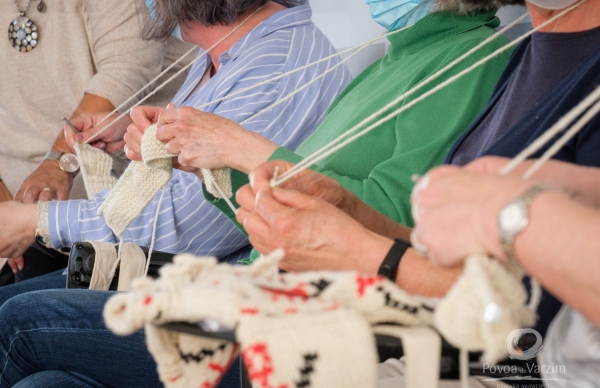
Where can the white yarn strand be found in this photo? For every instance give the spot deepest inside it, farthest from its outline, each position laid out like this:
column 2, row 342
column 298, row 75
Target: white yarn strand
column 162, row 73
column 308, row 161
column 305, row 86
column 564, row 139
column 332, row 147
column 225, row 198
column 175, row 75
column 154, row 228
column 560, row 126
column 359, row 47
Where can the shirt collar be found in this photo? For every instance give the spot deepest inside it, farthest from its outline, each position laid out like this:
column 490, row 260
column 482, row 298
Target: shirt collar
column 291, row 17
column 427, row 31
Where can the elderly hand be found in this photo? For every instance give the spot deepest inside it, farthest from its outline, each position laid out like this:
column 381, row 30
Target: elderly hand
column 205, row 140
column 110, row 140
column 308, row 182
column 321, row 186
column 47, row 182
column 456, row 212
column 142, row 117
column 17, row 228
column 315, row 234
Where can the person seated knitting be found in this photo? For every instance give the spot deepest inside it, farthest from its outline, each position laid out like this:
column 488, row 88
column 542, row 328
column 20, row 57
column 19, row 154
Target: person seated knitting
column 439, row 35
column 91, row 66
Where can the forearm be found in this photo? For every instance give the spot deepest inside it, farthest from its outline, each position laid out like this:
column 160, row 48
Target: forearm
column 251, row 150
column 416, row 275
column 5, row 194
column 583, row 183
column 560, row 248
column 378, row 195
column 372, row 219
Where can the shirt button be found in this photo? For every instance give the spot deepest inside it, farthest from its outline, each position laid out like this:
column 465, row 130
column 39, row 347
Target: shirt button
column 225, row 57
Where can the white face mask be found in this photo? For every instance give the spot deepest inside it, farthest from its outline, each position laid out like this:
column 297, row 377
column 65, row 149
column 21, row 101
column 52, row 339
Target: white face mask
column 553, row 4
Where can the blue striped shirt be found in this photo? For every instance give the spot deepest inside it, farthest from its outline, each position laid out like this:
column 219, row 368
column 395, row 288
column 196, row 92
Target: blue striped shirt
column 187, row 223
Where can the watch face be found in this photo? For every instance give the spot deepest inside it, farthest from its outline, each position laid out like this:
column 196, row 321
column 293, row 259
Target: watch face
column 513, row 217
column 69, row 163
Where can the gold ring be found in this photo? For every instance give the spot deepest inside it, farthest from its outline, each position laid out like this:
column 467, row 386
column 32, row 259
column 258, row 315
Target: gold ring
column 47, row 189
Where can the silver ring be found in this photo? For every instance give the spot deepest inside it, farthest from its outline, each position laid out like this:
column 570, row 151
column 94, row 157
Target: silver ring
column 420, row 248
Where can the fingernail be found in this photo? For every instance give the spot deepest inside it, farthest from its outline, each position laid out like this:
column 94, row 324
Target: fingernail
column 79, row 138
column 415, row 212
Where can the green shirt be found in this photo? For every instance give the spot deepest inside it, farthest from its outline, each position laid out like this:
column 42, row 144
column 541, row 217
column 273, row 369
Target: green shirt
column 378, row 166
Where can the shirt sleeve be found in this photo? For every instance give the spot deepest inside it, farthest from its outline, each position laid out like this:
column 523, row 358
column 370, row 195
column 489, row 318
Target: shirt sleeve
column 186, row 222
column 124, row 61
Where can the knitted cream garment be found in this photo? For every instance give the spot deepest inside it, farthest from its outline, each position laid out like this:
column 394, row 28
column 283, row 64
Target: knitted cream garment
column 138, row 185
column 221, row 177
column 141, row 181
column 484, row 306
column 311, row 329
column 131, row 265
column 262, row 304
column 96, row 166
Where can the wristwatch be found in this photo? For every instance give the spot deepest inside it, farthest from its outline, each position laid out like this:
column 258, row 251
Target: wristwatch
column 514, row 218
column 67, row 161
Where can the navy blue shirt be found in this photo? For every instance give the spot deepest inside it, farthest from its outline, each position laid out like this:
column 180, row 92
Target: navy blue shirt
column 545, row 63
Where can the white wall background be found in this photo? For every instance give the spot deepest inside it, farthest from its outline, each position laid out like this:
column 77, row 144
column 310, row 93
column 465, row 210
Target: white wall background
column 348, row 23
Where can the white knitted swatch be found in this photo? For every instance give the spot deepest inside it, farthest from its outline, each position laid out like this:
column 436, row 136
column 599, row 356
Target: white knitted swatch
column 138, row 185
column 96, row 166
column 221, row 177
column 483, row 307
column 312, row 327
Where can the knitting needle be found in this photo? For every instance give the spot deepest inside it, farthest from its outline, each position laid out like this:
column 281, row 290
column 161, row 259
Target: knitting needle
column 70, row 124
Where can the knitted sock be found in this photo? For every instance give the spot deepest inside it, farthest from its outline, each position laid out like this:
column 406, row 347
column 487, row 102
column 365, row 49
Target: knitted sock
column 96, row 166
column 189, row 361
column 289, row 318
column 483, row 307
column 322, row 349
column 138, row 185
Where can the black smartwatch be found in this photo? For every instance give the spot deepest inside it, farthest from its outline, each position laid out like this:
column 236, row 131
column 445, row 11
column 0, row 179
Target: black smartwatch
column 389, row 267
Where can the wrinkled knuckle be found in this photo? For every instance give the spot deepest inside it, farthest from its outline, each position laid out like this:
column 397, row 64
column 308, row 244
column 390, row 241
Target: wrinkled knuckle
column 283, row 225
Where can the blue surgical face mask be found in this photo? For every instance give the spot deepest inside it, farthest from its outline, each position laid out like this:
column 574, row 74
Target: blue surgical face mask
column 150, row 4
column 395, row 14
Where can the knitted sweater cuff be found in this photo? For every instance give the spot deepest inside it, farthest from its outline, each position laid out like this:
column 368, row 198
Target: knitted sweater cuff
column 63, row 222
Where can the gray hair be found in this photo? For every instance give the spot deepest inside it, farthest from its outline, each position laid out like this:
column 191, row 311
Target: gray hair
column 471, row 6
column 171, row 13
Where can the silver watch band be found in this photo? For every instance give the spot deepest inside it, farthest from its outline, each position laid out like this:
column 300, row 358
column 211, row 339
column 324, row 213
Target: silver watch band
column 53, row 155
column 507, row 239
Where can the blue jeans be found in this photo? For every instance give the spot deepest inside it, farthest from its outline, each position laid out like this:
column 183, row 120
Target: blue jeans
column 52, row 281
column 60, row 334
